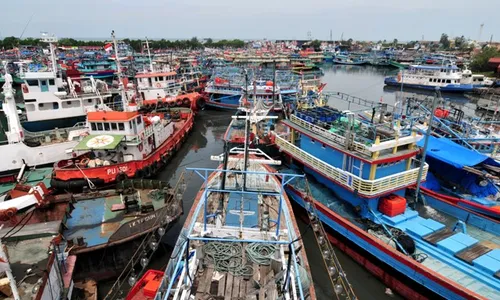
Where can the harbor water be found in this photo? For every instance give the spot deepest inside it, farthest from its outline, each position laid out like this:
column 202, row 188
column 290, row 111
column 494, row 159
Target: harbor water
column 206, row 140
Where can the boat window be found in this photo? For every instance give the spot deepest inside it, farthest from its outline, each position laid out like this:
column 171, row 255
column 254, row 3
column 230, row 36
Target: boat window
column 55, row 105
column 51, row 82
column 161, row 78
column 70, row 104
column 106, row 126
column 458, row 80
column 99, row 126
column 114, row 126
column 93, row 126
column 139, row 120
column 121, row 126
column 130, row 124
column 32, row 82
column 150, row 81
column 430, row 79
column 448, row 81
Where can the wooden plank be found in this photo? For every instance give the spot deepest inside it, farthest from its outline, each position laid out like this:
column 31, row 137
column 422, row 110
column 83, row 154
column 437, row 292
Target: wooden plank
column 473, row 252
column 222, row 287
column 229, row 287
column 205, row 281
column 243, row 288
column 439, row 235
column 236, row 287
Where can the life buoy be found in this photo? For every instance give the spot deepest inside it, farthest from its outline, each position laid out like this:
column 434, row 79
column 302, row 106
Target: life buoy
column 158, row 85
column 121, row 177
column 140, row 147
column 84, row 162
column 179, row 102
column 186, row 101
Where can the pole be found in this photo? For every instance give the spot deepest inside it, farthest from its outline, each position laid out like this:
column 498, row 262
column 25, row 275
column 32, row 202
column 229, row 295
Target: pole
column 426, row 143
column 8, row 272
column 245, row 159
column 149, row 55
column 274, row 80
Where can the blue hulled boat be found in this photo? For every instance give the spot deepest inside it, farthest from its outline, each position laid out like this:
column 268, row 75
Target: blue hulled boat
column 371, row 167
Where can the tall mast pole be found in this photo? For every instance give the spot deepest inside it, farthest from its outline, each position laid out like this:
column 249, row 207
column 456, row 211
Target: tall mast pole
column 149, row 55
column 119, row 71
column 247, row 120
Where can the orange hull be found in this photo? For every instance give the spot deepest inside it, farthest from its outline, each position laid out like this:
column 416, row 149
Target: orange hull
column 120, row 171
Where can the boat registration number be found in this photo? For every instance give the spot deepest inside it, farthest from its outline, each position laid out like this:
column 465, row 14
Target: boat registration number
column 116, row 170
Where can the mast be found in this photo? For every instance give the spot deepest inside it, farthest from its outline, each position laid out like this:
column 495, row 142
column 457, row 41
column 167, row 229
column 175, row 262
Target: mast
column 149, row 55
column 245, row 154
column 51, row 40
column 119, row 71
column 274, row 79
column 426, row 143
column 15, row 131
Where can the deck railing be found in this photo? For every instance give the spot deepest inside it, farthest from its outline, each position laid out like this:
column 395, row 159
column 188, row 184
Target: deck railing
column 338, row 139
column 364, row 187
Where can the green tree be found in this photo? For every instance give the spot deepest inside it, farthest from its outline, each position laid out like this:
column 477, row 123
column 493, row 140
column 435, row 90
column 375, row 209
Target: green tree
column 460, row 42
column 10, row 42
column 316, row 44
column 480, row 61
column 444, row 41
column 395, row 42
column 209, row 42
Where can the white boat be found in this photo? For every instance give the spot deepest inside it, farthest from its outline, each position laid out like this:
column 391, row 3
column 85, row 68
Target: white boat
column 22, row 148
column 51, row 102
column 449, row 78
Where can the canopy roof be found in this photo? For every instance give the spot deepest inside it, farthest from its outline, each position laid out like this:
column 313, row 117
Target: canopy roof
column 100, row 142
column 454, row 154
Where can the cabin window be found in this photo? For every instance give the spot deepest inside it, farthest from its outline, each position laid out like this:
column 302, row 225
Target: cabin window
column 93, row 126
column 121, row 126
column 51, row 82
column 32, row 82
column 150, row 81
column 130, row 124
column 430, row 79
column 448, row 81
column 106, row 126
column 114, row 126
column 99, row 126
column 161, row 78
column 55, row 105
column 458, row 80
column 139, row 120
column 89, row 101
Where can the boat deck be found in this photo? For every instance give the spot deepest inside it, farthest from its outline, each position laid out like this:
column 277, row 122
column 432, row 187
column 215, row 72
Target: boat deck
column 97, row 219
column 251, row 281
column 470, row 258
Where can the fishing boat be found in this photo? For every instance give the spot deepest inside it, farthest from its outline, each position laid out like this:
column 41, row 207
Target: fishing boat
column 107, row 227
column 52, row 103
column 34, row 264
column 462, row 176
column 347, row 60
column 449, row 78
column 369, row 167
column 22, row 149
column 90, row 68
column 124, row 144
column 240, row 215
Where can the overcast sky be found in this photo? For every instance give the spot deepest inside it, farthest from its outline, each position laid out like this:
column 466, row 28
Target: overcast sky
column 253, row 19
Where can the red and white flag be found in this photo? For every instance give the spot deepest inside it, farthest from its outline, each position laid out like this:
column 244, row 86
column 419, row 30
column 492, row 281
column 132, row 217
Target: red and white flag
column 108, row 47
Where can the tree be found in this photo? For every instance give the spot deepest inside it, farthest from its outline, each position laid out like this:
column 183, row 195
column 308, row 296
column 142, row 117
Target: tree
column 411, row 44
column 395, row 42
column 480, row 61
column 10, row 42
column 316, row 44
column 444, row 41
column 209, row 42
column 460, row 42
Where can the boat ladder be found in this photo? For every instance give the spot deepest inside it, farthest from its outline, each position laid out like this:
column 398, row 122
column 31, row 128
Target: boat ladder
column 341, row 286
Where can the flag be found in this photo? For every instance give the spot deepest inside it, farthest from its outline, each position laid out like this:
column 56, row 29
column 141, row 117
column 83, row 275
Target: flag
column 108, row 47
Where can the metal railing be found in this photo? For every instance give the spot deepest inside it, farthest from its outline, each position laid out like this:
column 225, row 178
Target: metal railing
column 338, row 139
column 363, row 187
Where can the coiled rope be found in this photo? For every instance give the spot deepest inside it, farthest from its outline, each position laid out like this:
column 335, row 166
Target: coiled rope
column 228, row 257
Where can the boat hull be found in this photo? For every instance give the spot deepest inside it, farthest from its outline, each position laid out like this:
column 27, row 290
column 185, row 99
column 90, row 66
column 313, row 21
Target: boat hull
column 417, row 282
column 451, row 88
column 75, row 179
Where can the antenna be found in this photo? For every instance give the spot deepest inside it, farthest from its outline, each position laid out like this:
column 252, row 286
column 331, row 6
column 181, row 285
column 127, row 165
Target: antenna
column 480, row 32
column 149, row 55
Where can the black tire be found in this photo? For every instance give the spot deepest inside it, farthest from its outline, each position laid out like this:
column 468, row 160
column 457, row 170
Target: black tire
column 121, row 177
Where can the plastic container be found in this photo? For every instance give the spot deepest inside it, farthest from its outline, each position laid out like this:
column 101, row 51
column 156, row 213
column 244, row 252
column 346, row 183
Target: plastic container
column 392, row 205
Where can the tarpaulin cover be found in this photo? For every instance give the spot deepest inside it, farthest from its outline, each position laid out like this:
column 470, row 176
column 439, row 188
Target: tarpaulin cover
column 454, row 154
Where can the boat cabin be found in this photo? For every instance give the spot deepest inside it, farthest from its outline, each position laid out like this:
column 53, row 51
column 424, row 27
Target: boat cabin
column 153, row 85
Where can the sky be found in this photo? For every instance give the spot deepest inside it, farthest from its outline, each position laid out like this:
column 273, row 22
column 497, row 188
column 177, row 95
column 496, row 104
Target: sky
column 373, row 20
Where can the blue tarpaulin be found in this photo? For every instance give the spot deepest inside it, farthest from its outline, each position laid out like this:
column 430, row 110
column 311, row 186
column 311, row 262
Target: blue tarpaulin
column 454, row 154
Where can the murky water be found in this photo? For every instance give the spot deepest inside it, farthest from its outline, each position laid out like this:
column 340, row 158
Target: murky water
column 206, row 140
